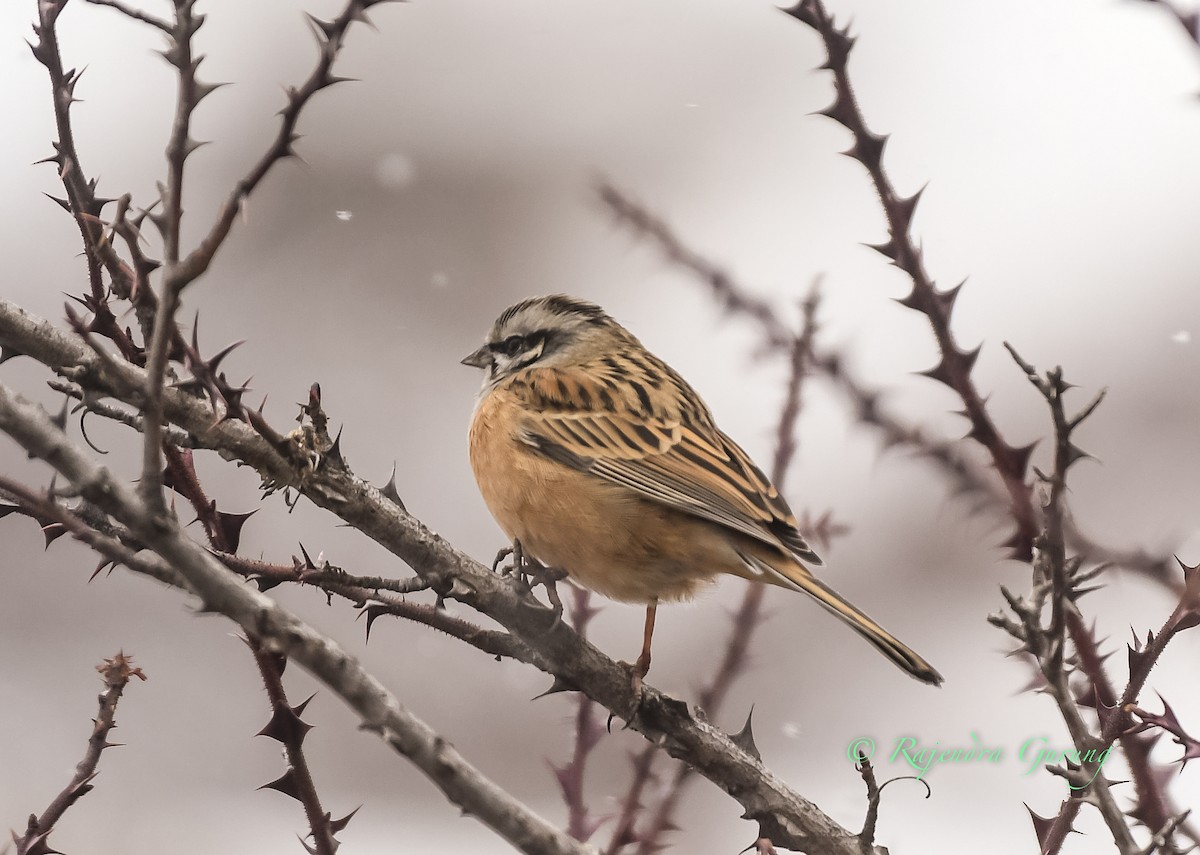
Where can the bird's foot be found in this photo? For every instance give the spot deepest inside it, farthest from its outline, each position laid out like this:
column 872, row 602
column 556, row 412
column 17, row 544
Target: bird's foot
column 548, row 577
column 531, row 573
column 637, row 688
column 500, row 556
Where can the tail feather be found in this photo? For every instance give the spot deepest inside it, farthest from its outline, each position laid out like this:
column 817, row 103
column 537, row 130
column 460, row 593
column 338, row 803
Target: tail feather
column 795, row 576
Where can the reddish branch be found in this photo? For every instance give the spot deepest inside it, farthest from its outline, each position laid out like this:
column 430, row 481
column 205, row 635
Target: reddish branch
column 954, row 368
column 581, row 824
column 116, row 673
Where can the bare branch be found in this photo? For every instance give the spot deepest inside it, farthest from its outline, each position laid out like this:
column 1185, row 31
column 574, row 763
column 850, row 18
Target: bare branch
column 116, row 673
column 135, row 14
column 287, row 727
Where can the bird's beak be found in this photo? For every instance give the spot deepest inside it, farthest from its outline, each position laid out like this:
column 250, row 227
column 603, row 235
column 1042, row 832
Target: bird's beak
column 481, row 358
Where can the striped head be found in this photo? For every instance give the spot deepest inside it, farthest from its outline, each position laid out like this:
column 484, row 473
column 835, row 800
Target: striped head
column 546, row 331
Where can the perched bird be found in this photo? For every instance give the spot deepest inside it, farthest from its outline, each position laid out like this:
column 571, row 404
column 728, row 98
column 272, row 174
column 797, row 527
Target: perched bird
column 600, row 460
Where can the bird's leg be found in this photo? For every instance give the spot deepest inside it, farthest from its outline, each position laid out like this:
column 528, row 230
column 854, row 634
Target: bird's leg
column 642, row 667
column 639, row 669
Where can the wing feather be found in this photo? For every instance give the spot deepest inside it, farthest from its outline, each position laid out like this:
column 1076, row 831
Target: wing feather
column 656, row 439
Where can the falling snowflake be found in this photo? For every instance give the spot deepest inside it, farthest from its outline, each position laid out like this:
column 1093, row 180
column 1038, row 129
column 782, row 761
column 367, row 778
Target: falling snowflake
column 1182, row 337
column 345, row 216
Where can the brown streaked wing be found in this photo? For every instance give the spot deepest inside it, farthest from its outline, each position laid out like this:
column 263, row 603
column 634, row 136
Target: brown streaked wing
column 689, row 465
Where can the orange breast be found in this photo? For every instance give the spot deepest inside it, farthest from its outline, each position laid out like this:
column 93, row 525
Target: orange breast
column 603, row 535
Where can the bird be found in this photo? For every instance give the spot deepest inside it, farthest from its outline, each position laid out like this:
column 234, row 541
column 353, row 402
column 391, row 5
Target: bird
column 597, row 458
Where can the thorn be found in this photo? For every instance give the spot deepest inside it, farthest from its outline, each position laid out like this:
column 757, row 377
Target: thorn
column 867, row 148
column 336, row 825
column 841, row 110
column 559, row 685
column 744, row 738
column 323, row 30
column 890, row 250
column 299, row 708
column 190, row 145
column 946, row 299
column 1075, row 454
column 334, row 453
column 389, row 490
column 203, row 90
column 60, row 420
column 904, row 210
column 173, row 55
column 286, row 727
column 286, row 784
column 52, row 532
column 7, row 353
column 62, row 203
column 231, row 527
column 104, row 562
column 372, row 613
column 914, row 299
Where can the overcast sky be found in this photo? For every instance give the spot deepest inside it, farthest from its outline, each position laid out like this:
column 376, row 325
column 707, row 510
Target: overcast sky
column 1058, row 141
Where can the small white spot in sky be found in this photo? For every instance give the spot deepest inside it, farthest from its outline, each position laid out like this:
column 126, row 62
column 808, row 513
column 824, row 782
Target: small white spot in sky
column 791, row 730
column 1182, row 337
column 345, row 216
column 439, row 280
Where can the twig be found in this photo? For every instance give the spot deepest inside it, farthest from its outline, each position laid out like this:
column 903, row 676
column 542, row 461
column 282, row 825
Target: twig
column 874, row 794
column 133, row 419
column 116, row 673
column 288, row 728
column 580, row 823
column 135, row 14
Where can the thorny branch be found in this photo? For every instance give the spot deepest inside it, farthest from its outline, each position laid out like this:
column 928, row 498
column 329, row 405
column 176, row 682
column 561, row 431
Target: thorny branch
column 954, row 368
column 1058, row 583
column 116, row 673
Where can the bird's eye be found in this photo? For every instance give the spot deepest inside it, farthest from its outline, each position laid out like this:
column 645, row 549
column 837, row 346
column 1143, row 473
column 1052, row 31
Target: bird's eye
column 512, row 345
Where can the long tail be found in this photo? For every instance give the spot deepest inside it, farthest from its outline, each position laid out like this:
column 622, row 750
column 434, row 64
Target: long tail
column 789, row 573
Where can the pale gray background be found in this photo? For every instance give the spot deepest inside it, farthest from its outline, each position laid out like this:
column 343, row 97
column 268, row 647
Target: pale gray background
column 1059, row 140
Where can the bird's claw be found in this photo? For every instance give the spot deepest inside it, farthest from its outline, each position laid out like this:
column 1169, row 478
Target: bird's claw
column 637, row 687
